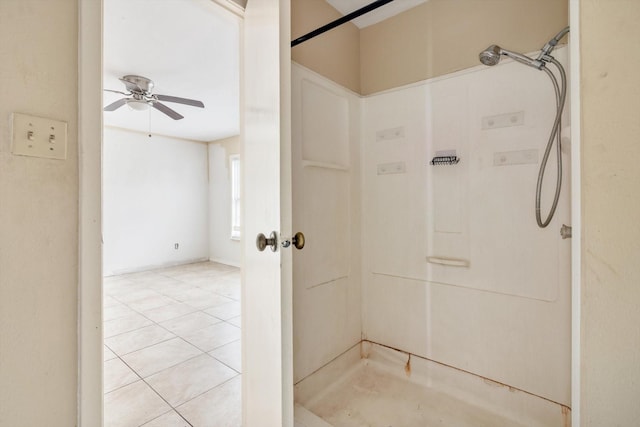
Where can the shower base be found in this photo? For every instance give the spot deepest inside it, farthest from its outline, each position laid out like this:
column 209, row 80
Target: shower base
column 375, row 386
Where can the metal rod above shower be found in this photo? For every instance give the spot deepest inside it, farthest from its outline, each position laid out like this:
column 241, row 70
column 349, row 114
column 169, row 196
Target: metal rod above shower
column 346, row 18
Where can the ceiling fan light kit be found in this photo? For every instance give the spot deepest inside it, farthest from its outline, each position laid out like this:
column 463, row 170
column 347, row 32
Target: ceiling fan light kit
column 138, row 105
column 140, row 97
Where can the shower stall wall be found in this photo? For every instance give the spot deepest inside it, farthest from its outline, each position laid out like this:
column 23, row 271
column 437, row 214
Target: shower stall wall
column 326, row 188
column 458, row 284
column 458, row 271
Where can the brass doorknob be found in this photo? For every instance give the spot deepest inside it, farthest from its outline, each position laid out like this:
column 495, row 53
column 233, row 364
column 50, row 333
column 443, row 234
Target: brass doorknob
column 298, row 240
column 262, row 241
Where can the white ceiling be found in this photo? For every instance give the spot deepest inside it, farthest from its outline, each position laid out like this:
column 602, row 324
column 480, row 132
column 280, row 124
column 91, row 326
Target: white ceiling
column 190, row 49
column 378, row 15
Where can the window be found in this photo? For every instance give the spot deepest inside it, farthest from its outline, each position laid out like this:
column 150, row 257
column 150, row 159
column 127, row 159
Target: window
column 234, row 162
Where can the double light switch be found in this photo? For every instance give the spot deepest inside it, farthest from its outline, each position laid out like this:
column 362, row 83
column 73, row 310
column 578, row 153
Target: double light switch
column 39, row 137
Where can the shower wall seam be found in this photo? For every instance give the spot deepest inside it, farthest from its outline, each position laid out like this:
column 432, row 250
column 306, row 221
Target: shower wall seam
column 329, row 362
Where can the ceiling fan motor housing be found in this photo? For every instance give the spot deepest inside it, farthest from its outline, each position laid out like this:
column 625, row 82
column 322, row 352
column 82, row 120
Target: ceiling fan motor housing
column 137, row 83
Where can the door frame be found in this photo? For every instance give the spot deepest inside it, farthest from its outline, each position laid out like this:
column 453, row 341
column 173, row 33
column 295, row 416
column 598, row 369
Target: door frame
column 90, row 334
column 576, row 210
column 90, row 131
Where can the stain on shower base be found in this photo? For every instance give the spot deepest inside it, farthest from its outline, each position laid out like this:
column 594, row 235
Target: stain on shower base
column 365, row 387
column 566, row 414
column 407, row 367
column 488, row 381
column 373, row 397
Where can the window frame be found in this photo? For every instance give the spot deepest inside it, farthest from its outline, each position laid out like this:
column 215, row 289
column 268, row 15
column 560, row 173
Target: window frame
column 235, row 196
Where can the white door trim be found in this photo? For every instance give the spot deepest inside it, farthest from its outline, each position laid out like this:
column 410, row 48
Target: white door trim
column 576, row 209
column 90, row 347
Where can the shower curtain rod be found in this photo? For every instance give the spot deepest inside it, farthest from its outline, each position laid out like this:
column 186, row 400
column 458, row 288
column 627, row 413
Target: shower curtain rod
column 331, row 25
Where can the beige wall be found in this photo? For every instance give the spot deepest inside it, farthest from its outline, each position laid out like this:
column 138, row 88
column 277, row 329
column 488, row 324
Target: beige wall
column 610, row 212
column 38, row 219
column 442, row 36
column 435, row 38
column 335, row 54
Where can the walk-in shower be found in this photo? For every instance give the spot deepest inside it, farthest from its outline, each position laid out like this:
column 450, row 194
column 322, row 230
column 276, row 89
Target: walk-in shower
column 422, row 298
column 491, row 56
column 463, row 305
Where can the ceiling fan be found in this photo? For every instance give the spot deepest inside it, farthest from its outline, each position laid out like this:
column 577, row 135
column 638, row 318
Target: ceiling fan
column 140, row 97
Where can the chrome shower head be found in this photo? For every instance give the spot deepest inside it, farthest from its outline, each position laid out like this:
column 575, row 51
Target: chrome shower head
column 491, row 56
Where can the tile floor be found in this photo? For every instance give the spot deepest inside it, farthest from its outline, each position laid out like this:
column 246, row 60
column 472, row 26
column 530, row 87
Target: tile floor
column 172, row 347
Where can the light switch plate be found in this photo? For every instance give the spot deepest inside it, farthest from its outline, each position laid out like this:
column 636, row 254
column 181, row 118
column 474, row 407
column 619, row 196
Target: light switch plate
column 39, row 137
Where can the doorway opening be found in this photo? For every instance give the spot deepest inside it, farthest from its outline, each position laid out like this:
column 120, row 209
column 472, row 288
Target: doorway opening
column 171, row 255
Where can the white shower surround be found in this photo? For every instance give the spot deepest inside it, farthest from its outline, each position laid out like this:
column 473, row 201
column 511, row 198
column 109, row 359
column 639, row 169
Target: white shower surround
column 508, row 321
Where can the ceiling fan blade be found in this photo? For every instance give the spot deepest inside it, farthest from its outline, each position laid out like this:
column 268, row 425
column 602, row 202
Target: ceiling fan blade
column 179, row 100
column 168, row 111
column 115, row 105
column 117, row 91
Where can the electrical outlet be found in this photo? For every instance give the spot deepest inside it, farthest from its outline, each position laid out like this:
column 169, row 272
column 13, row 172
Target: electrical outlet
column 39, row 137
column 176, row 246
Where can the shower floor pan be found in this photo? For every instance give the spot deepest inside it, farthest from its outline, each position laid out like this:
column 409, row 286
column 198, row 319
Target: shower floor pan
column 374, row 386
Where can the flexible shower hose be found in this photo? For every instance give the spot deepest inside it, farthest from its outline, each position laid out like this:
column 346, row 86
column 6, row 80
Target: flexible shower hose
column 561, row 93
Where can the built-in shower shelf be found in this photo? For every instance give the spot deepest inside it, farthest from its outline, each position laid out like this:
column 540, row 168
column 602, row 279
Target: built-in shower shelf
column 323, row 165
column 453, row 262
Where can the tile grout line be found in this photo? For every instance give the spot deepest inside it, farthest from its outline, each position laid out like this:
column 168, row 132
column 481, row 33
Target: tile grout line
column 161, row 415
column 155, row 323
column 204, row 392
column 196, row 310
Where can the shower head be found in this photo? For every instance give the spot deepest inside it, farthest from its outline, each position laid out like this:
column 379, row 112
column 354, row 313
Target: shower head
column 491, row 56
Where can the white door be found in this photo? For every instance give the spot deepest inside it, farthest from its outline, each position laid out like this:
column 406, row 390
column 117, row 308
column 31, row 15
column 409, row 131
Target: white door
column 267, row 373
